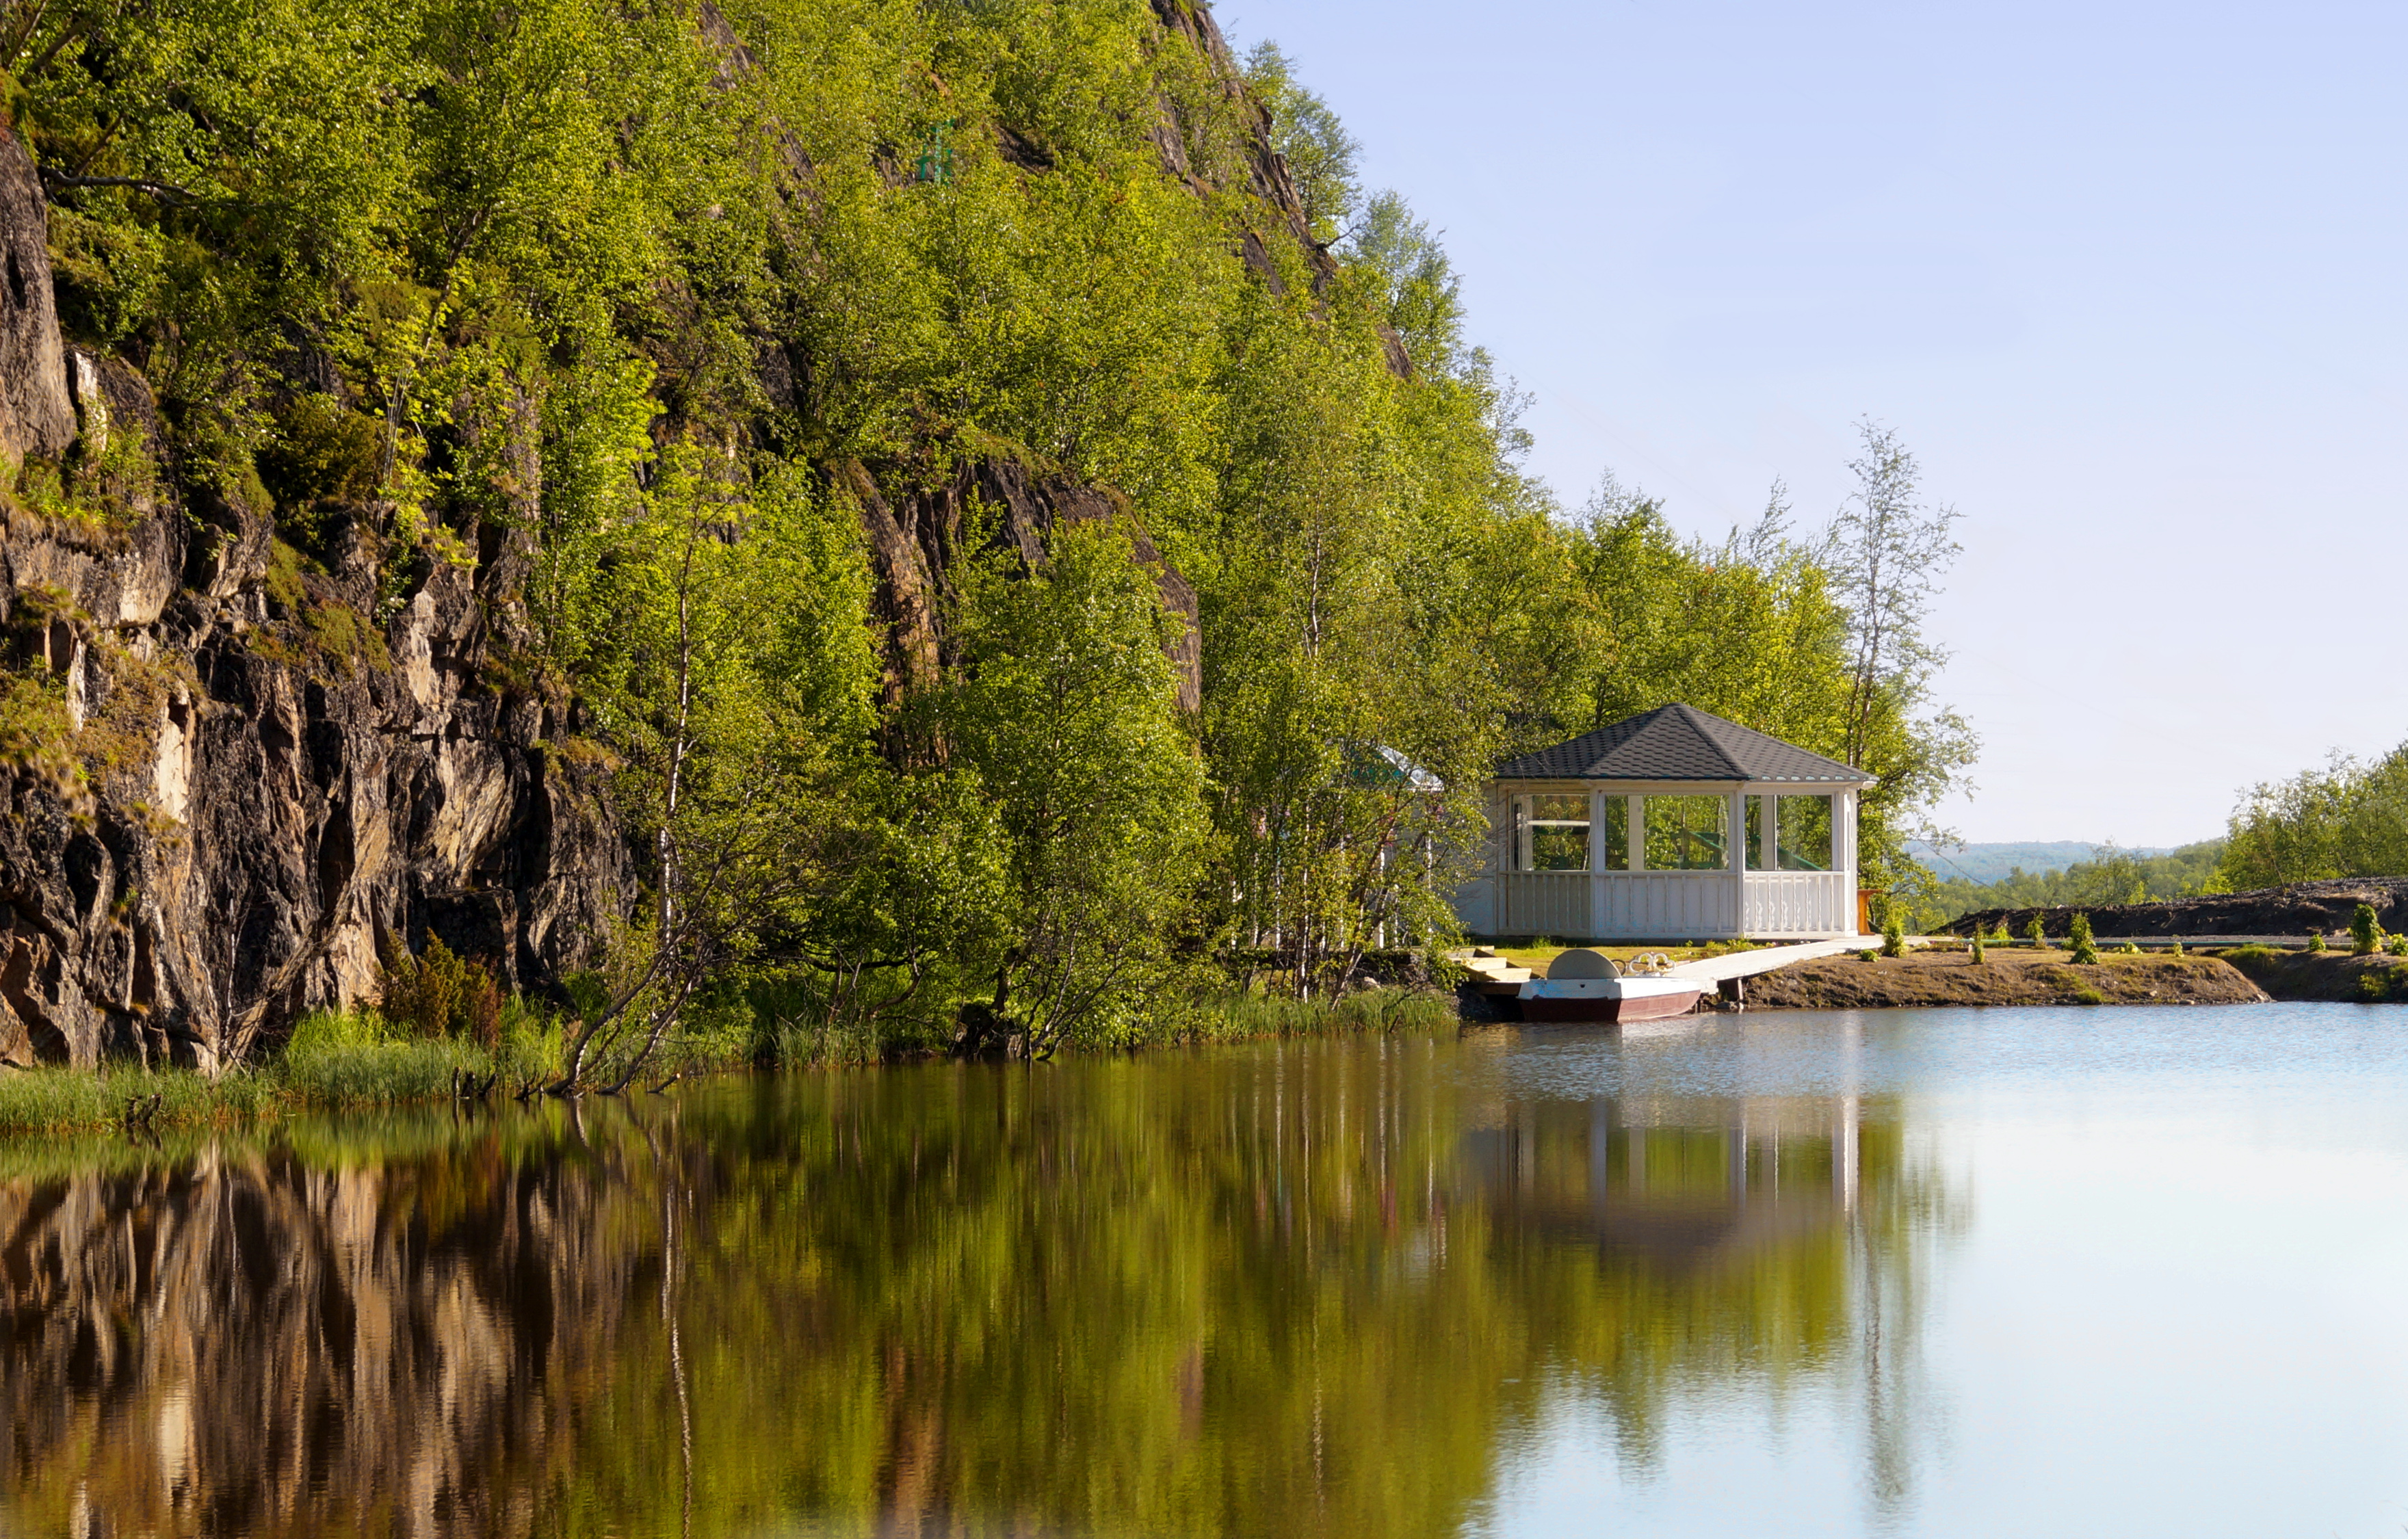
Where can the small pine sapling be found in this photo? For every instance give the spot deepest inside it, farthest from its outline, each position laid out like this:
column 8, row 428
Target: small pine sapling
column 2034, row 934
column 2085, row 950
column 2316, row 940
column 2176, row 950
column 2365, row 931
column 1893, row 934
column 1980, row 956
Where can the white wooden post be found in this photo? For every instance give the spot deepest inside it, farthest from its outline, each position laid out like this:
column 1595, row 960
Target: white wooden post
column 1735, row 859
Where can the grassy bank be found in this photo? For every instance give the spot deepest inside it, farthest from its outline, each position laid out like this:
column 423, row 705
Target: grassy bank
column 2323, row 975
column 367, row 1071
column 358, row 1061
column 1242, row 1017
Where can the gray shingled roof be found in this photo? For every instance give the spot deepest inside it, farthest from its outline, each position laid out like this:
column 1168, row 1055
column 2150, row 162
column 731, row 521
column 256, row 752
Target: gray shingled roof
column 1677, row 743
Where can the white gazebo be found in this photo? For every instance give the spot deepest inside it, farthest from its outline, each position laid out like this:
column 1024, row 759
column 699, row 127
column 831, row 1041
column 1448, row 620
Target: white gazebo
column 1670, row 825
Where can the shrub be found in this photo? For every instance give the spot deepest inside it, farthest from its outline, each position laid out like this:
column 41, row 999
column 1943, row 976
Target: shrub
column 2035, row 933
column 1867, row 954
column 2129, row 949
column 439, row 994
column 2085, row 950
column 2377, row 984
column 2176, row 950
column 1979, row 955
column 1893, row 932
column 2316, row 940
column 2396, row 946
column 2365, row 931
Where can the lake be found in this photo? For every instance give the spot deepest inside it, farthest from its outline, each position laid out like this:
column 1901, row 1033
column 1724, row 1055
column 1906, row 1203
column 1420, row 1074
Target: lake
column 1965, row 1273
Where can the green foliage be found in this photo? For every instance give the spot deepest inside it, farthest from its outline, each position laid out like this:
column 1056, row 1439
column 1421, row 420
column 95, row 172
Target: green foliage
column 2112, row 875
column 2085, row 949
column 2349, row 818
column 2377, row 984
column 2365, row 931
column 2036, row 934
column 1319, row 151
column 2395, row 945
column 1980, row 955
column 1063, row 714
column 2316, row 940
column 1893, row 930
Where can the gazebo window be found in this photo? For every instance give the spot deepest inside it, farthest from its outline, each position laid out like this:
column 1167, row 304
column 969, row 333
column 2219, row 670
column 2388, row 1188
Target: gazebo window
column 1554, row 834
column 1687, row 832
column 1805, row 824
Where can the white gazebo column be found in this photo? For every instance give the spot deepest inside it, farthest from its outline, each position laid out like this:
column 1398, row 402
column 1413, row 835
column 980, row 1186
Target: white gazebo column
column 1735, row 860
column 1600, row 902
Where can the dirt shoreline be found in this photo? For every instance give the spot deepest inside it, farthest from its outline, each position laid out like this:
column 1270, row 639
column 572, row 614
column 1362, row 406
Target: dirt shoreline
column 2018, row 976
column 1936, row 977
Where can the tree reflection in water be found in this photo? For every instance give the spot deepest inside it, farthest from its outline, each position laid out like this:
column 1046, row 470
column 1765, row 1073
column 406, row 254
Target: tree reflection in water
column 1243, row 1292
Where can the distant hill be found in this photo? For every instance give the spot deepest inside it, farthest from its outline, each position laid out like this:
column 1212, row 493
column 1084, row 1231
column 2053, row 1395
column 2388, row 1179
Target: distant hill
column 1987, row 862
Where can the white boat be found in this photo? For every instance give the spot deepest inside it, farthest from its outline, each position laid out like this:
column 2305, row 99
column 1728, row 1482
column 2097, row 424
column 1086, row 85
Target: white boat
column 1582, row 985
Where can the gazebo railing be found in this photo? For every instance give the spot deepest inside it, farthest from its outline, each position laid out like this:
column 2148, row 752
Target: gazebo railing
column 1673, row 905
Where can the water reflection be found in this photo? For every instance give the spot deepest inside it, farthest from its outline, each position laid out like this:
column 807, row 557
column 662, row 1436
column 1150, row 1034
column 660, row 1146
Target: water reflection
column 1291, row 1289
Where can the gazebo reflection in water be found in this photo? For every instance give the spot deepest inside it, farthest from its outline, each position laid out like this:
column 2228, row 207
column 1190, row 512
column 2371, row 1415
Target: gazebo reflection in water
column 1682, row 1182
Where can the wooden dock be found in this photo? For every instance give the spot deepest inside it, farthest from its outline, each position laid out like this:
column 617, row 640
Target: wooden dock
column 1764, row 958
column 1499, row 977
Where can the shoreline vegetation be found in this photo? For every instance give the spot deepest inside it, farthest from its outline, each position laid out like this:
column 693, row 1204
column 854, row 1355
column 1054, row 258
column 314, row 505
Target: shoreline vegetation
column 358, row 1061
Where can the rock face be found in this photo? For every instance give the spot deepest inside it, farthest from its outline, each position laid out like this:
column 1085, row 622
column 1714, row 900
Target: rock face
column 288, row 787
column 301, row 766
column 35, row 415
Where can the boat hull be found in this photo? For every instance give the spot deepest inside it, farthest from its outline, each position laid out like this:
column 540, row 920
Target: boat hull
column 1605, row 1002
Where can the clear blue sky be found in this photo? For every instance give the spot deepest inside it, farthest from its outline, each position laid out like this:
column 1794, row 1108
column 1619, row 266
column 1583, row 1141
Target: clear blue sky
column 2128, row 278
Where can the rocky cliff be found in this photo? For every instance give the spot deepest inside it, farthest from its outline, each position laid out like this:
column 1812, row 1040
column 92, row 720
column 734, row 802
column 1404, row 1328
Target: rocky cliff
column 234, row 777
column 273, row 789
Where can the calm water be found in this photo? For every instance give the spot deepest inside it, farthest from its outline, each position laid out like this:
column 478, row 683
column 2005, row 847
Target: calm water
column 2012, row 1272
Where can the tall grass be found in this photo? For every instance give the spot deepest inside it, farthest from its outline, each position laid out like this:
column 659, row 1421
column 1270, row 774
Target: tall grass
column 1239, row 1018
column 357, row 1060
column 333, row 1060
